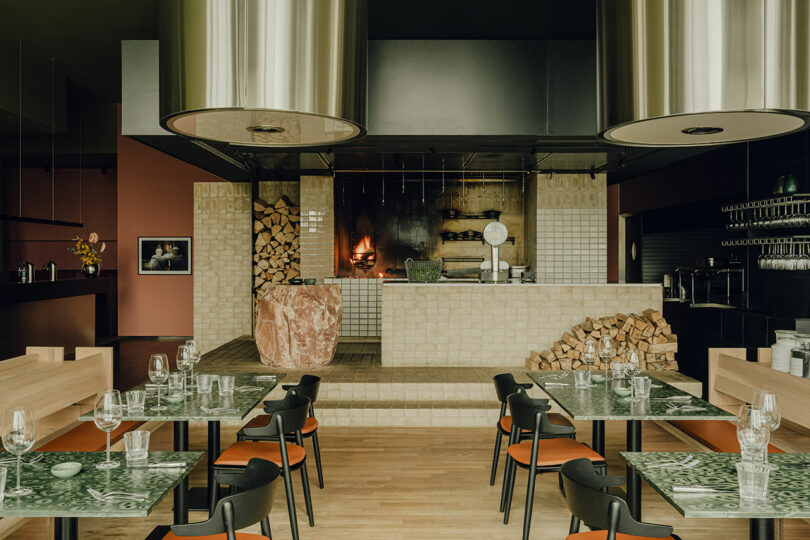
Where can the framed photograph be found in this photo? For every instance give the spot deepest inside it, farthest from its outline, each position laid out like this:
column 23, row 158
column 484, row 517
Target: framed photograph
column 164, row 255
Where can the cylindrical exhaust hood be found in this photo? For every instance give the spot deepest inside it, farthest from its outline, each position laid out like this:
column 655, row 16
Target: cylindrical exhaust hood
column 279, row 73
column 702, row 72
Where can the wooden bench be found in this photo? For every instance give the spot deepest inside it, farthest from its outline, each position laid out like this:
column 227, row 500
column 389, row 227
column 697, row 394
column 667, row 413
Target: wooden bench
column 58, row 391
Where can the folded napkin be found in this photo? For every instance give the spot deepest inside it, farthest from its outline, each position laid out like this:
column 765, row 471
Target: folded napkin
column 271, row 378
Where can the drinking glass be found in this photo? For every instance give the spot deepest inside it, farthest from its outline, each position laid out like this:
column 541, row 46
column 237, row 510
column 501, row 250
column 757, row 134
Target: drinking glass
column 3, row 474
column 752, row 434
column 136, row 444
column 617, row 369
column 589, row 355
column 641, row 387
column 108, row 414
column 185, row 362
column 205, row 382
column 136, row 399
column 158, row 373
column 753, row 479
column 766, row 401
column 195, row 359
column 633, row 366
column 607, row 351
column 582, row 378
column 226, row 385
column 19, row 440
column 176, row 391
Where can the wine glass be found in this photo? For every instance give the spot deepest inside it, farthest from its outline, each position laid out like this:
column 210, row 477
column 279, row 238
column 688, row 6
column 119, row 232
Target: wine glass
column 766, row 401
column 589, row 355
column 185, row 362
column 607, row 351
column 633, row 366
column 18, row 440
column 195, row 359
column 158, row 374
column 752, row 433
column 108, row 414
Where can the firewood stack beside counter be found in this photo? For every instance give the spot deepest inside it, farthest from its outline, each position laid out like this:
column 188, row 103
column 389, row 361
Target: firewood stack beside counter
column 648, row 333
column 276, row 258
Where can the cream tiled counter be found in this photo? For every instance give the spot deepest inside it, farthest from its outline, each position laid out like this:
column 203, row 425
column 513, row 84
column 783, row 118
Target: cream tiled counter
column 473, row 324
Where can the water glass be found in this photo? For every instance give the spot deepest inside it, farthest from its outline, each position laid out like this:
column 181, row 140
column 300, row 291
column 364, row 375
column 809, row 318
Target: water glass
column 582, row 379
column 753, row 479
column 226, row 385
column 205, row 382
column 641, row 387
column 176, row 386
column 3, row 474
column 617, row 369
column 136, row 399
column 136, row 444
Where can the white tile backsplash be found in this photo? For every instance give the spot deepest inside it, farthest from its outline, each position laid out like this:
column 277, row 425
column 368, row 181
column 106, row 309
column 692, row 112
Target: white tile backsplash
column 362, row 306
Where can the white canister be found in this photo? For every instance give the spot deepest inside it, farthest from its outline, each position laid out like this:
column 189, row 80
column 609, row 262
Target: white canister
column 780, row 351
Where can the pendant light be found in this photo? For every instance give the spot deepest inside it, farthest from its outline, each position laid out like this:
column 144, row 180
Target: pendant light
column 702, row 72
column 276, row 73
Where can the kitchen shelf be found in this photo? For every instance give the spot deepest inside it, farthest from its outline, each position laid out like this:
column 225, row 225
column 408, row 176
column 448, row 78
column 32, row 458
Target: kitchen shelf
column 472, row 216
column 785, row 200
column 768, row 241
column 508, row 239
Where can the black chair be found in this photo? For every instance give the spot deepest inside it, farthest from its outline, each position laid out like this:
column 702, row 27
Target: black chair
column 250, row 506
column 540, row 454
column 505, row 384
column 587, row 498
column 308, row 386
column 291, row 417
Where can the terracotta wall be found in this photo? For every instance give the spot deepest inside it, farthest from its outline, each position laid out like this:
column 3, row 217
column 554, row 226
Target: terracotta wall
column 39, row 243
column 155, row 198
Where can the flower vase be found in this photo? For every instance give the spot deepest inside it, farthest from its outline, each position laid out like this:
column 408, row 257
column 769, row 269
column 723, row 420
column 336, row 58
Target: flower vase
column 91, row 270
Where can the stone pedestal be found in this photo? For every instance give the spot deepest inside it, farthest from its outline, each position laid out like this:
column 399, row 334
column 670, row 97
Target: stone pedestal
column 297, row 325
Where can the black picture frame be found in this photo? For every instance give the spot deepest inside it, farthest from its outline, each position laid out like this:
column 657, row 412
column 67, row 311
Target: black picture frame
column 164, row 255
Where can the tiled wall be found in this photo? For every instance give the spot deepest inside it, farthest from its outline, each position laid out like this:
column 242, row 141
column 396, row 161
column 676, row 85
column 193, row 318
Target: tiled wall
column 317, row 227
column 362, row 306
column 571, row 228
column 493, row 325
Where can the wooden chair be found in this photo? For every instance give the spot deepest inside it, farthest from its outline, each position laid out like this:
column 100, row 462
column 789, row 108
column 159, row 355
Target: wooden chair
column 585, row 493
column 538, row 455
column 289, row 456
column 308, row 386
column 505, row 384
column 250, row 506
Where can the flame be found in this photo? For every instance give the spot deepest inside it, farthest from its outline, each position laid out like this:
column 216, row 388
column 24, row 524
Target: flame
column 363, row 254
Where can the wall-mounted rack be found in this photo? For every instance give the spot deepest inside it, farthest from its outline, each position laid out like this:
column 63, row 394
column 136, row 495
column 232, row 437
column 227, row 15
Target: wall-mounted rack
column 785, row 200
column 771, row 241
column 481, row 240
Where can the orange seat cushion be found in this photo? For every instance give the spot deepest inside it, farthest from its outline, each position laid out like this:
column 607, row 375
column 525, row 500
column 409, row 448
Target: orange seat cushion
column 239, row 536
column 263, row 419
column 719, row 435
column 601, row 535
column 553, row 452
column 554, row 418
column 238, row 454
column 86, row 437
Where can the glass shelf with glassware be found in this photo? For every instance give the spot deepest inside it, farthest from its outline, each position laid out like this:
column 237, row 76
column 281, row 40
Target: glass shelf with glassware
column 779, row 253
column 785, row 212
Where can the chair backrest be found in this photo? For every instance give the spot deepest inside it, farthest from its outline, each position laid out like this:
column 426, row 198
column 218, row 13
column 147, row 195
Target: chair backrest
column 599, row 509
column 248, row 507
column 505, row 384
column 289, row 415
column 524, row 411
column 308, row 386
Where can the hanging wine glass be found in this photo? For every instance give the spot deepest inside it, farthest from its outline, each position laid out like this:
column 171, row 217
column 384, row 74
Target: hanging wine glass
column 18, row 440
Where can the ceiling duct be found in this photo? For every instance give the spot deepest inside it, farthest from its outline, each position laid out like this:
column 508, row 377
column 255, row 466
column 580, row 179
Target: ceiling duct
column 702, row 72
column 278, row 73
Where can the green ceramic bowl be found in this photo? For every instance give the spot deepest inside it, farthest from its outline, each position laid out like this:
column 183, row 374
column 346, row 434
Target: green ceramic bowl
column 622, row 391
column 310, row 281
column 66, row 470
column 596, row 377
column 177, row 398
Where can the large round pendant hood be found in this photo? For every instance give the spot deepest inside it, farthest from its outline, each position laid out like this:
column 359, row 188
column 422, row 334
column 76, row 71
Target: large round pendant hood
column 702, row 72
column 264, row 72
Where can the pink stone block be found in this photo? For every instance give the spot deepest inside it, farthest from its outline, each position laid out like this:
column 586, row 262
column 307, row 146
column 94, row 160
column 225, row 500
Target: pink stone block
column 297, row 325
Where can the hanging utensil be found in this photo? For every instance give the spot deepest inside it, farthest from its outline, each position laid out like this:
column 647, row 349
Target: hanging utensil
column 382, row 186
column 423, row 179
column 403, row 177
column 442, row 175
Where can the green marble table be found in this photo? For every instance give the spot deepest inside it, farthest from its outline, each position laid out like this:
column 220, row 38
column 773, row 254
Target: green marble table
column 191, row 410
column 788, row 487
column 68, row 499
column 600, row 403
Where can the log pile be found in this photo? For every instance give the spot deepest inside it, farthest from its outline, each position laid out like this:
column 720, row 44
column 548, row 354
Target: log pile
column 276, row 258
column 649, row 334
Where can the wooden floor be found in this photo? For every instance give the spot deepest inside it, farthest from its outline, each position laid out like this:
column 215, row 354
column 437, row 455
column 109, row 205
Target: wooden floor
column 413, row 483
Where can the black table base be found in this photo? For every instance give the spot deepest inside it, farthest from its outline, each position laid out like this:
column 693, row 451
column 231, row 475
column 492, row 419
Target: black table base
column 633, row 478
column 598, row 436
column 66, row 528
column 761, row 529
column 181, row 491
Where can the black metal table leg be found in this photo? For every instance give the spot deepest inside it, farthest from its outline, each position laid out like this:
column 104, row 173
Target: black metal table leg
column 761, row 529
column 633, row 479
column 181, row 491
column 66, row 528
column 198, row 497
column 598, row 436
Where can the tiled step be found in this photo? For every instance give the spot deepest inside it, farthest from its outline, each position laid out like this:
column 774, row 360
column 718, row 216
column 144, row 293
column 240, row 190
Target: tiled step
column 411, row 413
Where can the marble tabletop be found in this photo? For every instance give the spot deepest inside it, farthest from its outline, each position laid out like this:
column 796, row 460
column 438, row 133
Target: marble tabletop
column 57, row 497
column 788, row 487
column 192, row 407
column 600, row 402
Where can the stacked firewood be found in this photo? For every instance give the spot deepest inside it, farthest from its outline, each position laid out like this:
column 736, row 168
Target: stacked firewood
column 276, row 229
column 648, row 334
